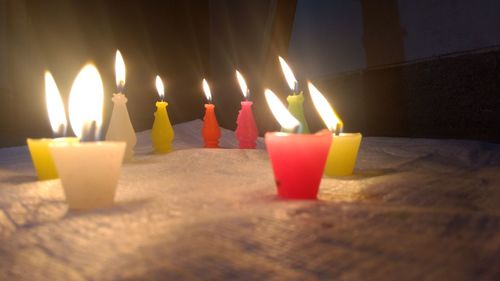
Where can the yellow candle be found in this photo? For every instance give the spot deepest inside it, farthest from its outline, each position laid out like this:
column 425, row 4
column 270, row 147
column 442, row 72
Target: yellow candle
column 344, row 148
column 39, row 148
column 41, row 157
column 162, row 133
column 342, row 155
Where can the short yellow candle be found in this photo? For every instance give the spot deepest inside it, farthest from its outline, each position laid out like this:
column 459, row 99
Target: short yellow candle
column 342, row 155
column 344, row 148
column 39, row 148
column 41, row 157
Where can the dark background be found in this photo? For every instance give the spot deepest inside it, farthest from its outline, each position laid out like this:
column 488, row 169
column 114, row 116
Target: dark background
column 392, row 68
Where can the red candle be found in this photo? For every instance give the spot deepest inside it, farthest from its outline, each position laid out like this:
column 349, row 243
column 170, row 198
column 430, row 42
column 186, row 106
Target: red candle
column 210, row 130
column 298, row 160
column 246, row 130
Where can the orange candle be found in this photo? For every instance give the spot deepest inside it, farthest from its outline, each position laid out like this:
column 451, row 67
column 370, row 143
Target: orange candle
column 210, row 130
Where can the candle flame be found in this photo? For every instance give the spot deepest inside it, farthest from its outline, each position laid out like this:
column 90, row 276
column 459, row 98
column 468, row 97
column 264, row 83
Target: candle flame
column 243, row 84
column 284, row 117
column 324, row 109
column 119, row 70
column 206, row 89
column 287, row 71
column 86, row 100
column 55, row 105
column 159, row 87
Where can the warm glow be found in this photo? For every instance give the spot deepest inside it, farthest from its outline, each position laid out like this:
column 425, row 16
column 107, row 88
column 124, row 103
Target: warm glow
column 243, row 84
column 287, row 71
column 284, row 117
column 206, row 89
column 55, row 106
column 324, row 109
column 119, row 70
column 159, row 87
column 86, row 99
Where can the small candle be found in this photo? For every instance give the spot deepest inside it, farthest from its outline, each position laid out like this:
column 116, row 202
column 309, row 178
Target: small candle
column 298, row 160
column 89, row 170
column 39, row 148
column 120, row 128
column 344, row 149
column 296, row 99
column 246, row 130
column 162, row 133
column 210, row 129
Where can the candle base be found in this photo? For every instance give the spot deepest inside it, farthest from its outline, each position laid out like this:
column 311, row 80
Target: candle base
column 41, row 157
column 89, row 172
column 342, row 155
column 298, row 161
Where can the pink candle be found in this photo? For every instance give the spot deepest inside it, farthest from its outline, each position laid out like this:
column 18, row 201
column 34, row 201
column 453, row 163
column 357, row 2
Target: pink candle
column 246, row 131
column 298, row 160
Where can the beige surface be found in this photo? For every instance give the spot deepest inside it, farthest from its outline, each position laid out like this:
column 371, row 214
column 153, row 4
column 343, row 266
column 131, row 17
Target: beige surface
column 415, row 210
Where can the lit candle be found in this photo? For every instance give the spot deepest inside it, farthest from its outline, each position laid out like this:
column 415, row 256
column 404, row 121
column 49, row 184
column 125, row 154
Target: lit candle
column 162, row 133
column 88, row 170
column 210, row 130
column 39, row 148
column 296, row 99
column 120, row 128
column 344, row 149
column 246, row 131
column 298, row 160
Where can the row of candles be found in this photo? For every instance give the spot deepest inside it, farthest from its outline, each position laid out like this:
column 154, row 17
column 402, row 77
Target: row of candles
column 89, row 169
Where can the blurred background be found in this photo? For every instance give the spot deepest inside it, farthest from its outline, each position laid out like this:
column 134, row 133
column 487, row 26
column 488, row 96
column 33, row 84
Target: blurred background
column 399, row 68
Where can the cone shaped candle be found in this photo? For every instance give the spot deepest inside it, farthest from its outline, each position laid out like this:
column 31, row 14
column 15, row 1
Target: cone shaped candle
column 298, row 160
column 296, row 99
column 210, row 130
column 120, row 128
column 162, row 133
column 344, row 149
column 89, row 171
column 246, row 130
column 39, row 148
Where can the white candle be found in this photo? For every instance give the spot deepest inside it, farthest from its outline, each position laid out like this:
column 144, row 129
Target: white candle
column 88, row 171
column 120, row 127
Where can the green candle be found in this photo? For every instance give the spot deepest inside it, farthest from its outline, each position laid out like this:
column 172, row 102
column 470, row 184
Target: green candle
column 296, row 108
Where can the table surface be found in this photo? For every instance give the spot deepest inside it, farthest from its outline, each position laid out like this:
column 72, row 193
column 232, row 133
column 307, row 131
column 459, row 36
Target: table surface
column 416, row 209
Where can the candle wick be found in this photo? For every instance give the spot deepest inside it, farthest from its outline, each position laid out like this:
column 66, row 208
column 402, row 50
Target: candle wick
column 89, row 133
column 60, row 132
column 338, row 129
column 120, row 87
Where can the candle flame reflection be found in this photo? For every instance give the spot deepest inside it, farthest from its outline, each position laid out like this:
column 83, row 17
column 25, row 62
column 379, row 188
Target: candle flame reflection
column 86, row 100
column 55, row 106
column 284, row 117
column 325, row 110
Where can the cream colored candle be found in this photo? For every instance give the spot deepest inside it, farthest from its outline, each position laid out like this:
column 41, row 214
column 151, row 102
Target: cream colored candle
column 120, row 127
column 89, row 171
